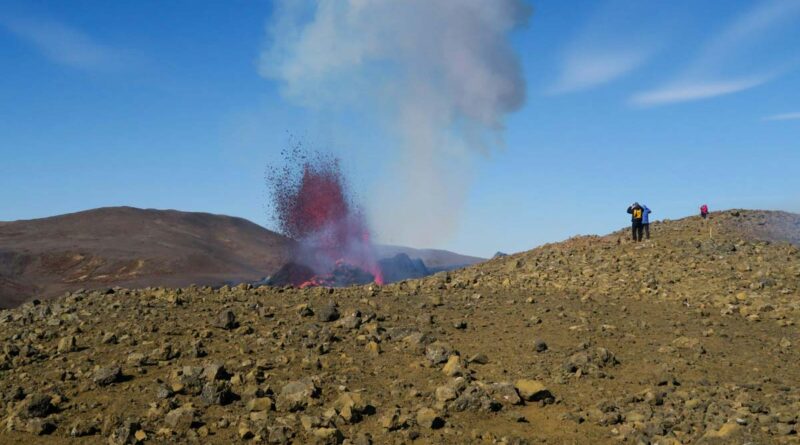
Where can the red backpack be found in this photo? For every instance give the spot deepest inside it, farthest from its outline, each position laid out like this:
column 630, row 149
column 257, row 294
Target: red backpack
column 703, row 209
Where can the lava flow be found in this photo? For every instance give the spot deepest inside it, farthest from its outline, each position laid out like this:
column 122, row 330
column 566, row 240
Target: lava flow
column 312, row 206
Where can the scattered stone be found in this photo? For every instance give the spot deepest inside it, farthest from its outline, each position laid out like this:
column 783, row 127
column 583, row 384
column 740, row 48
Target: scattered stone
column 480, row 359
column 438, row 352
column 294, row 396
column 215, row 371
column 67, row 344
column 328, row 436
column 446, row 393
column 505, row 393
column 725, row 432
column 84, row 428
column 453, row 367
column 109, row 338
column 533, row 391
column 125, row 434
column 225, row 320
column 475, row 398
column 39, row 405
column 245, row 430
column 428, row 418
column 107, row 376
column 40, row 427
column 373, row 348
column 260, row 404
column 328, row 313
column 392, row 420
column 217, row 393
column 181, row 419
column 137, row 359
column 352, row 407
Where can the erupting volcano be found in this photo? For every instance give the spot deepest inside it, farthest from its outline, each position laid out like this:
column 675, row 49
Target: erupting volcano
column 312, row 205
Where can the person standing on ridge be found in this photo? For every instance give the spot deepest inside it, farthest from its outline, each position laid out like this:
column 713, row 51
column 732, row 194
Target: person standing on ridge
column 646, row 221
column 704, row 211
column 637, row 213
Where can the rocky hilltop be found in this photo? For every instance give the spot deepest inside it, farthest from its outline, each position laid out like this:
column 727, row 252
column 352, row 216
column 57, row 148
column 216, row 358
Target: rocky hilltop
column 689, row 338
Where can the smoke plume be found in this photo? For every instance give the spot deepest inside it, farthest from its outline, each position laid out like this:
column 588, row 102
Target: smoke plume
column 441, row 75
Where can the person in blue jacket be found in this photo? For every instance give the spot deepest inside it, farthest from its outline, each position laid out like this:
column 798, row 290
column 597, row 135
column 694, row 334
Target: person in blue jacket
column 646, row 220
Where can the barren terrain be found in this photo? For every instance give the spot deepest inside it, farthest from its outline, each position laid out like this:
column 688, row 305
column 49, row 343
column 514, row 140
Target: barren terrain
column 690, row 337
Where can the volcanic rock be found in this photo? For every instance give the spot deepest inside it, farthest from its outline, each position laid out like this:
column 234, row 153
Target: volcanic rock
column 67, row 344
column 479, row 358
column 225, row 320
column 328, row 312
column 294, row 396
column 217, row 393
column 39, row 405
column 428, row 418
column 260, row 404
column 291, row 274
column 533, row 390
column 40, row 427
column 629, row 355
column 475, row 398
column 438, row 352
column 453, row 367
column 181, row 419
column 505, row 393
column 107, row 376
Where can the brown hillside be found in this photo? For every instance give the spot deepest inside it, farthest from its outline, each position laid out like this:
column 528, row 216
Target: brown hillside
column 688, row 338
column 125, row 246
column 129, row 247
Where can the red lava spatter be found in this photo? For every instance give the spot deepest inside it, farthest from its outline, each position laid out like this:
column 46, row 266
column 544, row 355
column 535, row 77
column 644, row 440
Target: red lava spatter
column 312, row 206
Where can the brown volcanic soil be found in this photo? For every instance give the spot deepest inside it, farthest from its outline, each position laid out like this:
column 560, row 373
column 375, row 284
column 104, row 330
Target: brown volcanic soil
column 689, row 338
column 131, row 247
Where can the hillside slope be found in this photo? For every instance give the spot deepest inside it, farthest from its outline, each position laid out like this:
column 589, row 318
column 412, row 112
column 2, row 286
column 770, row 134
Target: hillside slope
column 124, row 246
column 434, row 259
column 688, row 338
column 130, row 247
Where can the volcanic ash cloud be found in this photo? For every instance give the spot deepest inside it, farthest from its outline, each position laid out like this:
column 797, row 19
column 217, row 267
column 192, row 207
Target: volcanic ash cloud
column 441, row 75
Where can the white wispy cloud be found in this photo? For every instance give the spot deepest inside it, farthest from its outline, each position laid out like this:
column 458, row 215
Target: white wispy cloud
column 614, row 42
column 588, row 68
column 702, row 78
column 694, row 90
column 67, row 45
column 783, row 117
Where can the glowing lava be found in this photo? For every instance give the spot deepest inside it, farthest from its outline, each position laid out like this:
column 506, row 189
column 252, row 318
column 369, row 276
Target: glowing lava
column 312, row 206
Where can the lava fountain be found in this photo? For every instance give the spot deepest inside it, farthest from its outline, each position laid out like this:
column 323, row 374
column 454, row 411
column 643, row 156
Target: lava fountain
column 312, row 205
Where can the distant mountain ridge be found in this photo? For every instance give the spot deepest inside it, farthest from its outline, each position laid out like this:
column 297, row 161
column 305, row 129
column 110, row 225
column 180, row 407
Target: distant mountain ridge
column 434, row 259
column 132, row 247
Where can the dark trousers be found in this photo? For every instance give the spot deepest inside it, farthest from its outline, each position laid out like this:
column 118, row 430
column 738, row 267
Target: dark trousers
column 647, row 230
column 637, row 228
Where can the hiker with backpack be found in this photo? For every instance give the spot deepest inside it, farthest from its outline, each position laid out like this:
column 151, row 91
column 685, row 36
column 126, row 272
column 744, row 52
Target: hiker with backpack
column 637, row 215
column 646, row 220
column 704, row 211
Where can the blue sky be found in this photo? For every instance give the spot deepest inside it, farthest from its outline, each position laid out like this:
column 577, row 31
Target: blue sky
column 162, row 105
